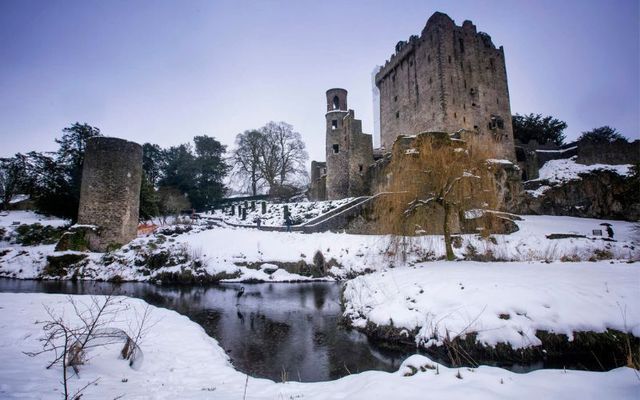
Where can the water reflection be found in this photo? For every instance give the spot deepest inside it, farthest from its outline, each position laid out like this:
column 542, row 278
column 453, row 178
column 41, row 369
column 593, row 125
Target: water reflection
column 272, row 330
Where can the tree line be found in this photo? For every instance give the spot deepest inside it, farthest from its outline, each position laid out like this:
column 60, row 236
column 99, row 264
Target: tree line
column 548, row 129
column 186, row 176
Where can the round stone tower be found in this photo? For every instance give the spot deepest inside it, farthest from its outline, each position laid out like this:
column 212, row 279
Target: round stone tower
column 337, row 146
column 110, row 191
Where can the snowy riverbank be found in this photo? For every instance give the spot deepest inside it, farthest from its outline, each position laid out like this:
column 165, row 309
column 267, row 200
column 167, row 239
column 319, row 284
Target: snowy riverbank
column 192, row 252
column 181, row 361
column 500, row 302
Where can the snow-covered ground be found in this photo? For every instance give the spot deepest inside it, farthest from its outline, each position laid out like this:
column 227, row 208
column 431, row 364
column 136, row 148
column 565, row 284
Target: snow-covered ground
column 501, row 302
column 228, row 250
column 13, row 218
column 555, row 172
column 300, row 212
column 182, row 362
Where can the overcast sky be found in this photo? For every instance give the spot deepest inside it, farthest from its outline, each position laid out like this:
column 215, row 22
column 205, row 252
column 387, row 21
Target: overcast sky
column 165, row 71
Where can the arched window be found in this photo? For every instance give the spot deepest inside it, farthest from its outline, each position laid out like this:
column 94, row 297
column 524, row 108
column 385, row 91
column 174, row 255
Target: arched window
column 336, row 103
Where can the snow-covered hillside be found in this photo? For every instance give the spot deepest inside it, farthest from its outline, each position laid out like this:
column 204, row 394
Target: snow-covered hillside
column 229, row 251
column 300, row 212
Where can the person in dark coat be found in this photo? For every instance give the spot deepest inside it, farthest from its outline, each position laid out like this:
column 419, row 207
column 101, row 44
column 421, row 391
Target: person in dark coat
column 610, row 231
column 287, row 222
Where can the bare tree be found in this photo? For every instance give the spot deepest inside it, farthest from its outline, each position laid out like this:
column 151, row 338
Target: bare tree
column 436, row 178
column 247, row 157
column 283, row 155
column 172, row 201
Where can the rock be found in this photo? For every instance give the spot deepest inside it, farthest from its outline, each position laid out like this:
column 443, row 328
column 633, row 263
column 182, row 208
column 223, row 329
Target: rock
column 78, row 238
column 57, row 265
column 597, row 194
column 269, row 268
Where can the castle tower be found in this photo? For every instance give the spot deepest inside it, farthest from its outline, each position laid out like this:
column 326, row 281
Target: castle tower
column 337, row 148
column 349, row 152
column 110, row 191
column 448, row 78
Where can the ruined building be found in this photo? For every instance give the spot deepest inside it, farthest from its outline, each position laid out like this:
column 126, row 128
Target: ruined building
column 349, row 151
column 110, row 191
column 449, row 79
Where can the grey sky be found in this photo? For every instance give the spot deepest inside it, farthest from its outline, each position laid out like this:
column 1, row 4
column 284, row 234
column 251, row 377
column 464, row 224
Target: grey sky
column 165, row 71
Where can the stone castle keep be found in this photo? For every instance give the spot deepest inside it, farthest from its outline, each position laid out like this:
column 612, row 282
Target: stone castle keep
column 449, row 79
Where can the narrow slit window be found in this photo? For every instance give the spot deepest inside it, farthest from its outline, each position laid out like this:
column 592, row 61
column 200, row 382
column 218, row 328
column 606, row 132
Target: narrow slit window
column 334, row 124
column 397, row 114
column 360, row 167
column 336, row 148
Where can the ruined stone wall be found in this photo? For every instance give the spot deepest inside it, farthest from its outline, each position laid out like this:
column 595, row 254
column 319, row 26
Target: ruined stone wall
column 360, row 156
column 615, row 153
column 449, row 78
column 110, row 190
column 318, row 187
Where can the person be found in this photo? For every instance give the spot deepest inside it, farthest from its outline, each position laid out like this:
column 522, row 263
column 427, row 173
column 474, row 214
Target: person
column 287, row 222
column 258, row 222
column 610, row 231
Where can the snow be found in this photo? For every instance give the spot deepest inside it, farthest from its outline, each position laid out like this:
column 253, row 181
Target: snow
column 18, row 198
column 557, row 151
column 181, row 361
column 300, row 212
column 229, row 250
column 555, row 172
column 30, row 217
column 495, row 161
column 558, row 171
column 441, row 298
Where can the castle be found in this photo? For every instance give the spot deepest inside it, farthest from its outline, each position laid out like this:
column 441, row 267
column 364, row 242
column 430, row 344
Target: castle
column 449, row 79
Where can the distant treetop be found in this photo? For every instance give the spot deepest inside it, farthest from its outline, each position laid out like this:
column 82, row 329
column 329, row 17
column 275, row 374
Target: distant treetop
column 536, row 127
column 604, row 134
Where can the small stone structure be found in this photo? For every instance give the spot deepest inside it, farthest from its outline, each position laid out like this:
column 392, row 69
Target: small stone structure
column 110, row 192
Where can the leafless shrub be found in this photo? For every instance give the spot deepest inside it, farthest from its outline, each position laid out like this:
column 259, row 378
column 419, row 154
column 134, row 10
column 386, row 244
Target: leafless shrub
column 69, row 343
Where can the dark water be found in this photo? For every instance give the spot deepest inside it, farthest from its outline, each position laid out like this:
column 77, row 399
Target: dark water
column 274, row 330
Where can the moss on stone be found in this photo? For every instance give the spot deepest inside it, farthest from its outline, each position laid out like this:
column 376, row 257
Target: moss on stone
column 75, row 239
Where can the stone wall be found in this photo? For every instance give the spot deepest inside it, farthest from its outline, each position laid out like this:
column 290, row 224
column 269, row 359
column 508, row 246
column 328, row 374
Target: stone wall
column 598, row 194
column 318, row 187
column 110, row 191
column 615, row 153
column 448, row 78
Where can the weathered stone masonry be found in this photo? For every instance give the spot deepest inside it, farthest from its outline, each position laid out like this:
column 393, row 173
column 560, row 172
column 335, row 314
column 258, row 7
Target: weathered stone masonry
column 349, row 152
column 448, row 78
column 110, row 191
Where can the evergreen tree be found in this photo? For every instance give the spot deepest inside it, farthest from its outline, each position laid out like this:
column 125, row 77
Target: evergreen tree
column 536, row 127
column 152, row 162
column 604, row 134
column 149, row 201
column 210, row 171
